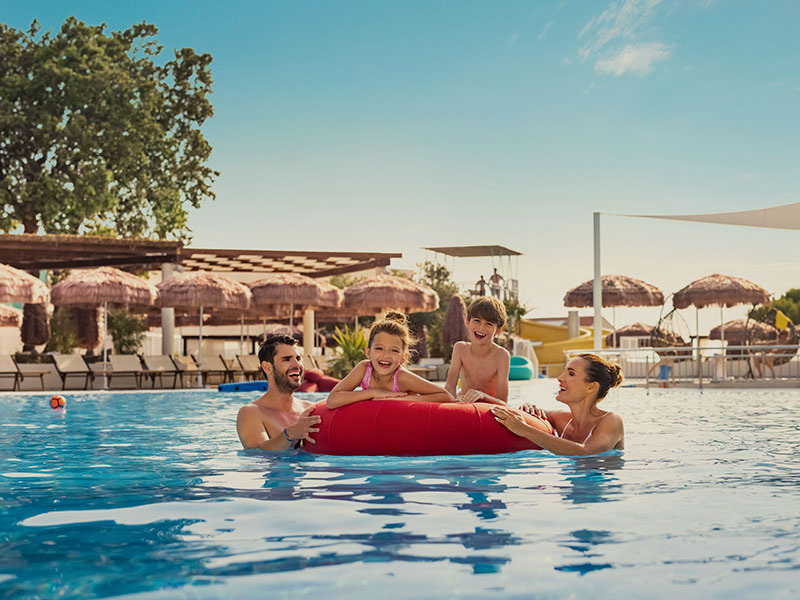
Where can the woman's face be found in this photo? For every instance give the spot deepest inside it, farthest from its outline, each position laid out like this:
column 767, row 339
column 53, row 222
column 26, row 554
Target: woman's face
column 572, row 383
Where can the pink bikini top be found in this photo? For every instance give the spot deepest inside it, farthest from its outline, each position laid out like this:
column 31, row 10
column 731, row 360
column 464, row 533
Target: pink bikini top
column 368, row 378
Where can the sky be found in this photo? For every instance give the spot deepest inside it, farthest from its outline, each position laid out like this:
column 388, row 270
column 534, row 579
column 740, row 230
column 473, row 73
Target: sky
column 396, row 125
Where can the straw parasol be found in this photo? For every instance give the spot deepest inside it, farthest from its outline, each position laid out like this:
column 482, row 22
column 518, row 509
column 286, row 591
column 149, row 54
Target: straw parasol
column 103, row 286
column 18, row 286
column 199, row 290
column 10, row 316
column 636, row 329
column 385, row 292
column 740, row 331
column 454, row 327
column 617, row 290
column 720, row 290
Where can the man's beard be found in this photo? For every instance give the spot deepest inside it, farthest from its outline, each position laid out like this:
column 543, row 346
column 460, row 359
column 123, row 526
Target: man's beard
column 286, row 385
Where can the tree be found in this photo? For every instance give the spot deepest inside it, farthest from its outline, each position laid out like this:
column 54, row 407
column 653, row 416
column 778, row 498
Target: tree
column 96, row 137
column 437, row 277
column 788, row 304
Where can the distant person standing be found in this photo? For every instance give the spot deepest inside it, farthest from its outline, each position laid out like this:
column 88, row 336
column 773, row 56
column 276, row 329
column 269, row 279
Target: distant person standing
column 480, row 286
column 494, row 283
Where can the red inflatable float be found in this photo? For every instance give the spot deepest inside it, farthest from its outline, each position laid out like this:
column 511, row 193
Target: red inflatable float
column 406, row 428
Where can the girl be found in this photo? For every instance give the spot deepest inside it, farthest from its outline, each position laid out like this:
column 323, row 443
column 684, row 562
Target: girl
column 382, row 376
column 584, row 428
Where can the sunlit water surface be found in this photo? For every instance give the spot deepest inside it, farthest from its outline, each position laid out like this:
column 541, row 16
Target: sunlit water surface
column 149, row 495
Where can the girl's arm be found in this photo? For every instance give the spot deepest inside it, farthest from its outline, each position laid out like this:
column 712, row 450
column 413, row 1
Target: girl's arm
column 455, row 370
column 345, row 392
column 424, row 389
column 606, row 435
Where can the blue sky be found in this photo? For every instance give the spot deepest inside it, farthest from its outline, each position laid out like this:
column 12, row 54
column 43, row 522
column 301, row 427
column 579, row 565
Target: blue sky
column 390, row 126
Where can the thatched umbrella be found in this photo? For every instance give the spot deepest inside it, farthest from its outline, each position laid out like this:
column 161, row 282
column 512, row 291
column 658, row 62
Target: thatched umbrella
column 19, row 286
column 719, row 290
column 454, row 327
column 10, row 316
column 103, row 286
column 740, row 331
column 617, row 290
column 385, row 292
column 87, row 325
column 636, row 329
column 199, row 290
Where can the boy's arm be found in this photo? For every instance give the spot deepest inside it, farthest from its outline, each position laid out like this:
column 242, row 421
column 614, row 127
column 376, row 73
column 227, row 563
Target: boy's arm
column 455, row 370
column 503, row 369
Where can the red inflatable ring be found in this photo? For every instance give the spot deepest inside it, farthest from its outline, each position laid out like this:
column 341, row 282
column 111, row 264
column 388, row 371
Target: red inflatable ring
column 407, row 428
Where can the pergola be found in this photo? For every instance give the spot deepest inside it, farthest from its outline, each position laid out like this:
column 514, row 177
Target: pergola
column 32, row 252
column 491, row 251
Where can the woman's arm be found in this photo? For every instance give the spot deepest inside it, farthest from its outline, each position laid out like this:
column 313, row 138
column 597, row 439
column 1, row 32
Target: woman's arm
column 607, row 434
column 424, row 389
column 455, row 370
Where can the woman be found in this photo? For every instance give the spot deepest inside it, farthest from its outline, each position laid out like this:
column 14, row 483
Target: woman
column 584, row 428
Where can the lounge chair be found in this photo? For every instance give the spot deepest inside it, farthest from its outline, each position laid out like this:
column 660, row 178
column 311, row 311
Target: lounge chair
column 158, row 365
column 72, row 365
column 126, row 365
column 250, row 366
column 187, row 368
column 235, row 371
column 213, row 366
column 9, row 370
column 33, row 370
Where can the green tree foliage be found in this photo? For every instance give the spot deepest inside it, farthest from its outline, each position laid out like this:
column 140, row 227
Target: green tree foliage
column 788, row 304
column 439, row 278
column 63, row 337
column 96, row 136
column 127, row 331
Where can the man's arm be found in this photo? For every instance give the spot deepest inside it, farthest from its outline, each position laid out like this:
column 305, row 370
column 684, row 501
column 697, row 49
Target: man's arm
column 252, row 434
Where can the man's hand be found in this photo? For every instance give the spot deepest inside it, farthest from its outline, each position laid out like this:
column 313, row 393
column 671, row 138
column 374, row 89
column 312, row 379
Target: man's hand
column 304, row 427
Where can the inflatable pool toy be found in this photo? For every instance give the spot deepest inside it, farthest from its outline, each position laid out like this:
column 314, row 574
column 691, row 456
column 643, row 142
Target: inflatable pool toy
column 57, row 402
column 521, row 368
column 409, row 428
column 243, row 386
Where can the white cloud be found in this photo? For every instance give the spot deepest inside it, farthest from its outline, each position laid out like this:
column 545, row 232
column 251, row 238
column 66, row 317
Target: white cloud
column 622, row 21
column 545, row 30
column 513, row 38
column 636, row 59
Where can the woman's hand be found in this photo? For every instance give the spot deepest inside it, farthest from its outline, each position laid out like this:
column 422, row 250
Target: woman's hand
column 534, row 410
column 510, row 419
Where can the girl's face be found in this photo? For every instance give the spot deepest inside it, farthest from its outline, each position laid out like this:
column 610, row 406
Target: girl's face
column 387, row 353
column 572, row 383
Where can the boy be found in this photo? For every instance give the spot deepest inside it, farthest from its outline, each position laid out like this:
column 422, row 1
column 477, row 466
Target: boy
column 481, row 364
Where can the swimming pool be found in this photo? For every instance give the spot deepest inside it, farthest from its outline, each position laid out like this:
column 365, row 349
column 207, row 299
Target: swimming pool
column 149, row 495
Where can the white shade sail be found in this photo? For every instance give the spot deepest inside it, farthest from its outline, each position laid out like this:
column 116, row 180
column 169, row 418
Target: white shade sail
column 785, row 216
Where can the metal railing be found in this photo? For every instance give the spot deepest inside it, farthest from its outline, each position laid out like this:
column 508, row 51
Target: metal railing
column 669, row 366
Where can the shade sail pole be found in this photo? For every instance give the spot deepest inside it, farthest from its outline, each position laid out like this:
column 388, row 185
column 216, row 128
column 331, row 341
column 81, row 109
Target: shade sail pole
column 597, row 295
column 200, row 349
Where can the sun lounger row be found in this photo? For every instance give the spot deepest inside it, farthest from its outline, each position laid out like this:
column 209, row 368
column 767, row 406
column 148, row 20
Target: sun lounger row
column 159, row 370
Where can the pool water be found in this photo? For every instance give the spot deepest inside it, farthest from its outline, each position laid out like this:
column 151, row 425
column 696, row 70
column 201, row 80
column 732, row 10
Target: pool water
column 149, row 495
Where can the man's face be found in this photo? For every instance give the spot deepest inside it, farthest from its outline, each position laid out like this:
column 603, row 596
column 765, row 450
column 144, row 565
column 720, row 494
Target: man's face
column 287, row 370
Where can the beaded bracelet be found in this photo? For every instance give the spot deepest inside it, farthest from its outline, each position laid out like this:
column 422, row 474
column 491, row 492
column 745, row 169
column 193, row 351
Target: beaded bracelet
column 286, row 435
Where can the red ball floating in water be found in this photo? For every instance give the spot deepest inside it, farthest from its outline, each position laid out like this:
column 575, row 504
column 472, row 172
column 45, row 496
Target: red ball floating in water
column 57, row 402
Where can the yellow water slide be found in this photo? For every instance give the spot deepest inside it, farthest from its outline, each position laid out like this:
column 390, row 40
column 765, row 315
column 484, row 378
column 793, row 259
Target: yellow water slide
column 554, row 340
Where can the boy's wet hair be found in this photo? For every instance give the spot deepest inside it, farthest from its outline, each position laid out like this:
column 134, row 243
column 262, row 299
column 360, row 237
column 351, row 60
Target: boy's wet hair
column 489, row 309
column 267, row 351
column 394, row 323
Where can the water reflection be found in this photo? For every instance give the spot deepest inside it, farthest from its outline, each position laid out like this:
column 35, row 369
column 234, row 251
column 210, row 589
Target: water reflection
column 592, row 478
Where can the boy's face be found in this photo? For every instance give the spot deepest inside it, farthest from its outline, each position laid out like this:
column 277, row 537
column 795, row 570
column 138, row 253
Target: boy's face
column 481, row 331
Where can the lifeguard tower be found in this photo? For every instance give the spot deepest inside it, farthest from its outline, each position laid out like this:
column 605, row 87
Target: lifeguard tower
column 503, row 259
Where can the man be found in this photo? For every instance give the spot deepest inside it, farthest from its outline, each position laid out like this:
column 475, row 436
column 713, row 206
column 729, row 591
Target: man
column 494, row 283
column 277, row 420
column 480, row 286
